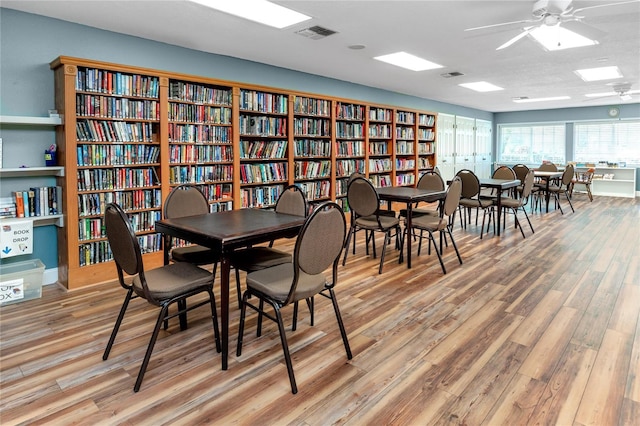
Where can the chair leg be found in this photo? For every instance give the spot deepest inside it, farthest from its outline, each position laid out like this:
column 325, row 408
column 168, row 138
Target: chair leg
column 285, row 349
column 152, row 343
column 294, row 323
column 453, row 242
column 566, row 194
column 346, row 245
column 259, row 324
column 238, row 289
column 527, row 216
column 589, row 192
column 387, row 238
column 343, row 332
column 435, row 248
column 517, row 222
column 243, row 311
column 214, row 318
column 116, row 327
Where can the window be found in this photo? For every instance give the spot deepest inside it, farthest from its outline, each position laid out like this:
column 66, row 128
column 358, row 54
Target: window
column 607, row 141
column 531, row 144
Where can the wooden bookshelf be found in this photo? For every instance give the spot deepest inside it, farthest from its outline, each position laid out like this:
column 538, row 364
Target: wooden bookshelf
column 240, row 143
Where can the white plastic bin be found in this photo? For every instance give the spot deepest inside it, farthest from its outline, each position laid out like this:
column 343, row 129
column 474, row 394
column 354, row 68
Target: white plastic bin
column 21, row 281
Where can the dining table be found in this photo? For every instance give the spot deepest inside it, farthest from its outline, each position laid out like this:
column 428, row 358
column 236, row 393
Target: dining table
column 225, row 232
column 500, row 185
column 547, row 177
column 410, row 196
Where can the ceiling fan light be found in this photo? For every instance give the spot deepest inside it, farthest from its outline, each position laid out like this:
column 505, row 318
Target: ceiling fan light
column 555, row 37
column 600, row 73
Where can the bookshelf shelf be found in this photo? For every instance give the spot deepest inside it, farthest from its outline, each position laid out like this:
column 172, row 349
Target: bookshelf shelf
column 30, row 121
column 31, row 171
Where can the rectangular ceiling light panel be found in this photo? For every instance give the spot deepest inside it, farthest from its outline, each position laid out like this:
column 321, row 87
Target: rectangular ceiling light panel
column 408, row 61
column 481, row 86
column 260, row 11
column 602, row 73
column 554, row 98
column 555, row 37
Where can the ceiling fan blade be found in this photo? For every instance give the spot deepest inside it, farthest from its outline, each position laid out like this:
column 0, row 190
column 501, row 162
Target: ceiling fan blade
column 516, row 38
column 603, row 5
column 583, row 29
column 524, row 21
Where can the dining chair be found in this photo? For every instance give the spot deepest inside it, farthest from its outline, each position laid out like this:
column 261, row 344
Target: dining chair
column 318, row 247
column 502, row 172
column 520, row 171
column 365, row 204
column 470, row 198
column 291, row 201
column 583, row 178
column 163, row 286
column 439, row 224
column 515, row 204
column 429, row 181
column 563, row 187
column 188, row 200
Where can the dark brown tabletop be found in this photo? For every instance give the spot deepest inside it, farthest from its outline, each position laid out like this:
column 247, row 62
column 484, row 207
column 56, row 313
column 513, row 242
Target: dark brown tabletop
column 226, row 231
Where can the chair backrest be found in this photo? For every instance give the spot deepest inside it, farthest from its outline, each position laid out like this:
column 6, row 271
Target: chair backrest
column 585, row 177
column 470, row 183
column 504, row 172
column 548, row 167
column 431, row 181
column 436, row 171
column 527, row 183
column 521, row 171
column 123, row 242
column 355, row 175
column 451, row 201
column 292, row 201
column 567, row 176
column 185, row 200
column 362, row 197
column 318, row 246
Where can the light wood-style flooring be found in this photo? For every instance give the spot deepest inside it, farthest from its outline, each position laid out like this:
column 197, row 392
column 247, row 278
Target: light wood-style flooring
column 542, row 330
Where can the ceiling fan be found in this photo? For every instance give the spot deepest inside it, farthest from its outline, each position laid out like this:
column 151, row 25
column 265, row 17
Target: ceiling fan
column 621, row 90
column 554, row 14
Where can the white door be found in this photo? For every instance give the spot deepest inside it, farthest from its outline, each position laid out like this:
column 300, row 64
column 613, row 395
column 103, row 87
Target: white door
column 446, row 145
column 483, row 168
column 465, row 143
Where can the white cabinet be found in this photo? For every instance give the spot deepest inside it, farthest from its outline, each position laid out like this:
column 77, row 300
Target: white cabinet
column 464, row 143
column 22, row 178
column 612, row 181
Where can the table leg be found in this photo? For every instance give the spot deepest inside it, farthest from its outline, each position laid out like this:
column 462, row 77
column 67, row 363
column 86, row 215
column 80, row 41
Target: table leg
column 224, row 308
column 498, row 221
column 408, row 236
column 546, row 195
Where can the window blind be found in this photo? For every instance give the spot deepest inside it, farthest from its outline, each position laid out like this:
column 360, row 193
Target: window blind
column 531, row 144
column 607, row 141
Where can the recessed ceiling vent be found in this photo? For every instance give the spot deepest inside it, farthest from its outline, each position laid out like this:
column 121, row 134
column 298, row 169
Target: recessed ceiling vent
column 452, row 74
column 316, row 32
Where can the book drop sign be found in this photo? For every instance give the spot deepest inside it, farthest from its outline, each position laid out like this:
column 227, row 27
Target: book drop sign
column 16, row 238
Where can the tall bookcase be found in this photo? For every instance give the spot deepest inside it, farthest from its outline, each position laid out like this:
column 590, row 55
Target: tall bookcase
column 131, row 134
column 312, row 147
column 201, row 140
column 405, row 148
column 110, row 146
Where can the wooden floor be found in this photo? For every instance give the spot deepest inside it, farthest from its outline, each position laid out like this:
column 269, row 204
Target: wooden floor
column 542, row 330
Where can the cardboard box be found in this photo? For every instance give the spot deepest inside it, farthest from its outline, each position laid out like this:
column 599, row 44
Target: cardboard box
column 21, row 281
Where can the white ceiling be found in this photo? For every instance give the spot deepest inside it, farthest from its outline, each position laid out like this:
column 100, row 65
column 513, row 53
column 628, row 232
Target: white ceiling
column 431, row 29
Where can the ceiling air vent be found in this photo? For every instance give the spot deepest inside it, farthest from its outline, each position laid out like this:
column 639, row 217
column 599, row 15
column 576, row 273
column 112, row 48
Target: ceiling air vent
column 316, row 32
column 452, row 74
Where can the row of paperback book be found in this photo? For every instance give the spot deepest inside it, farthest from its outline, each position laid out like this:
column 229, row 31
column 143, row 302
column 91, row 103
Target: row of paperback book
column 380, row 130
column 403, row 117
column 350, row 148
column 347, row 167
column 93, row 228
column 312, row 148
column 260, row 196
column 405, row 164
column 311, row 127
column 263, row 126
column 100, row 251
column 200, row 174
column 116, row 83
column 312, row 169
column 119, row 179
column 34, row 202
column 118, row 108
column 263, row 172
column 311, row 106
column 197, row 93
column 200, row 153
column 380, row 114
column 379, row 165
column 199, row 113
column 313, row 191
column 349, row 130
column 94, row 204
column 251, row 100
column 114, row 131
column 405, row 179
column 257, row 149
column 349, row 111
column 199, row 133
column 116, row 155
column 404, row 133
